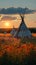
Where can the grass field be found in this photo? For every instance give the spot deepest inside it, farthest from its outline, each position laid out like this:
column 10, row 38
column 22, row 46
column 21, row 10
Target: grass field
column 15, row 51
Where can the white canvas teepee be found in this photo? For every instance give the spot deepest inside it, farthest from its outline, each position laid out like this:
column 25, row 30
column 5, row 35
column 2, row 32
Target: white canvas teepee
column 22, row 30
column 13, row 31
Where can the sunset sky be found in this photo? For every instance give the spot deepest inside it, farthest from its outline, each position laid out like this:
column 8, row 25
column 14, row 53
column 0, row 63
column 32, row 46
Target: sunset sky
column 30, row 19
column 18, row 3
column 6, row 22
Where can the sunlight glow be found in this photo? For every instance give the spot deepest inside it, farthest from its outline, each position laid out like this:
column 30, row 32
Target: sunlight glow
column 7, row 24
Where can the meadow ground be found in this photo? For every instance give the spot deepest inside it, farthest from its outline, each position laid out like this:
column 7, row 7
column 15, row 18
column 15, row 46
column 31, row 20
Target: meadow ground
column 15, row 51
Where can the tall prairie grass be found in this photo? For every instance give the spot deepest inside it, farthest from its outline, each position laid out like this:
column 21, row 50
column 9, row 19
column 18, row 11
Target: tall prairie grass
column 15, row 51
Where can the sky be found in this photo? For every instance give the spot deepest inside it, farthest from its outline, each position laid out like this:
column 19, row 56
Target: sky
column 30, row 21
column 18, row 3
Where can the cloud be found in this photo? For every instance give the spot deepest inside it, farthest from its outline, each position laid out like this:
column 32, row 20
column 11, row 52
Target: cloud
column 5, row 18
column 19, row 10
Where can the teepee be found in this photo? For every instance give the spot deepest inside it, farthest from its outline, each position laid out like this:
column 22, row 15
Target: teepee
column 13, row 31
column 22, row 31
